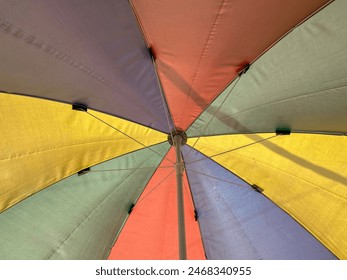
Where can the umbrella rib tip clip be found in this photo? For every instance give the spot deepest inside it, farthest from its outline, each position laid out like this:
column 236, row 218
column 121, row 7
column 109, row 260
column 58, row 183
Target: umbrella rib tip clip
column 83, row 171
column 257, row 188
column 283, row 131
column 79, row 107
column 131, row 208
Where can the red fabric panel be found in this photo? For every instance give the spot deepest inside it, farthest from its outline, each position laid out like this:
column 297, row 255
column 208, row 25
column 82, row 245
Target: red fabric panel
column 200, row 45
column 151, row 230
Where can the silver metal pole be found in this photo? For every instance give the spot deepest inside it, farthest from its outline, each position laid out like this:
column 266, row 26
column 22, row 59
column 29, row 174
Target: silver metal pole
column 177, row 142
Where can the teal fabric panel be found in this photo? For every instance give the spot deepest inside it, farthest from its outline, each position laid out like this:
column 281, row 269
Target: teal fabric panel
column 300, row 83
column 81, row 216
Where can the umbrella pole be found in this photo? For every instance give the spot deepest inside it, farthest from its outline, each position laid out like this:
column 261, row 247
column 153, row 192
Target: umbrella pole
column 177, row 142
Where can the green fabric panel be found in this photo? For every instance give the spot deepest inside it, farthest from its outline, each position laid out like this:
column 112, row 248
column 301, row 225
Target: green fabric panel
column 78, row 217
column 300, row 83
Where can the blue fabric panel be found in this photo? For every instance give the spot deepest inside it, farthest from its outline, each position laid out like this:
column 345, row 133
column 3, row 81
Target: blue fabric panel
column 81, row 51
column 237, row 222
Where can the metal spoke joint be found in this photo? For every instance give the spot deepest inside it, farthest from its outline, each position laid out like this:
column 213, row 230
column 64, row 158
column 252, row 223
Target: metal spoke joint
column 174, row 134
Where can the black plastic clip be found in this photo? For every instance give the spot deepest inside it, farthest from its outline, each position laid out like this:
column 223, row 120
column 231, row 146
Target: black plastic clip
column 131, row 208
column 79, row 107
column 83, row 171
column 244, row 70
column 283, row 131
column 257, row 188
column 151, row 53
column 196, row 217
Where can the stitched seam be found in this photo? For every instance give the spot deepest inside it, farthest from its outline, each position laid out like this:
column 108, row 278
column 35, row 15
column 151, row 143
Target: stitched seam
column 203, row 56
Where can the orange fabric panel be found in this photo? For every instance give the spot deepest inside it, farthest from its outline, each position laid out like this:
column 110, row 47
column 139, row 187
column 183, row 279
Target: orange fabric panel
column 201, row 45
column 151, row 230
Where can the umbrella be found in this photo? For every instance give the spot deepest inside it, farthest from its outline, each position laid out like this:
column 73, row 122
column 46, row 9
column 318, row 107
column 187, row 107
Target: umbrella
column 173, row 129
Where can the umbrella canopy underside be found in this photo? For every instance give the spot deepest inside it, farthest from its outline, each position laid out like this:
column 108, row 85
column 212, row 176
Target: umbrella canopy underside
column 89, row 99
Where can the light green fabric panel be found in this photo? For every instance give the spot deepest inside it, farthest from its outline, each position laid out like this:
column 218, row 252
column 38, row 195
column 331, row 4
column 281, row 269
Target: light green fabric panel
column 78, row 217
column 300, row 83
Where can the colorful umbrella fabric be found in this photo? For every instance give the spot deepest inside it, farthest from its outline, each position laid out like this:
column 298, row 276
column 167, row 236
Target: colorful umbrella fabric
column 105, row 106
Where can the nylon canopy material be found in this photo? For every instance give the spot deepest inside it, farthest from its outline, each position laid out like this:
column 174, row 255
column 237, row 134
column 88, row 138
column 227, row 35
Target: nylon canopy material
column 205, row 58
column 93, row 95
column 77, row 217
column 95, row 53
column 300, row 84
column 157, row 207
column 224, row 202
column 60, row 143
column 308, row 167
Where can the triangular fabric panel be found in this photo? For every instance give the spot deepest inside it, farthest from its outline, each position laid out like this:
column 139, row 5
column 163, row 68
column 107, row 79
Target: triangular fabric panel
column 300, row 83
column 43, row 142
column 79, row 217
column 303, row 174
column 238, row 222
column 200, row 46
column 83, row 51
column 151, row 231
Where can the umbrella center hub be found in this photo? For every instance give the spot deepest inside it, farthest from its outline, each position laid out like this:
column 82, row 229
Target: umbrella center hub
column 175, row 133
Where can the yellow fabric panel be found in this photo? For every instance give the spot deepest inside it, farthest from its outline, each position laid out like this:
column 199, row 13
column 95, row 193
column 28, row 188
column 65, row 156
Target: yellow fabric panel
column 306, row 175
column 44, row 141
